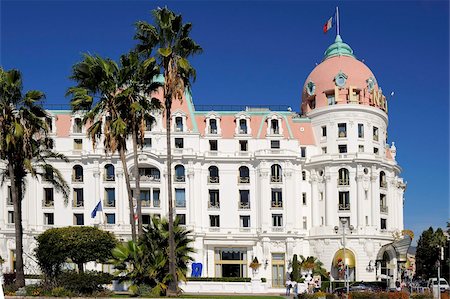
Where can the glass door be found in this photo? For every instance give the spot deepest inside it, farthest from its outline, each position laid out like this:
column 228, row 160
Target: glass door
column 278, row 270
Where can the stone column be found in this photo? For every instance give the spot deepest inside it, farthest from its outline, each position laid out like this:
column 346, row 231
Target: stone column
column 374, row 197
column 90, row 204
column 122, row 199
column 289, row 206
column 264, row 199
column 330, row 203
column 360, row 200
column 191, row 203
column 314, row 199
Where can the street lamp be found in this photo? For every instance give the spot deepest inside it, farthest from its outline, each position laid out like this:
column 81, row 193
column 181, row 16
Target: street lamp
column 336, row 230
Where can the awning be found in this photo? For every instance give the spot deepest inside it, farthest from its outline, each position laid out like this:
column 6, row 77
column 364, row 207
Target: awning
column 397, row 249
column 350, row 260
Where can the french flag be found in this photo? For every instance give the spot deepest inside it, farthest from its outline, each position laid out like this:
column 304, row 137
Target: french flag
column 329, row 24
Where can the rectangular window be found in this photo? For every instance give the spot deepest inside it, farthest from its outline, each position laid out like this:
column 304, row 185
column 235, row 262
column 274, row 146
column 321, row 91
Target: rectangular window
column 78, row 219
column 179, row 124
column 9, row 199
column 179, row 143
column 243, row 126
column 214, row 221
column 305, row 223
column 213, row 145
column 78, row 198
column 342, row 130
column 213, row 126
column 49, row 219
column 275, row 126
column 277, row 198
column 156, row 200
column 361, row 148
column 110, row 197
column 110, row 218
column 10, row 217
column 304, row 198
column 146, row 219
column 360, row 131
column 243, row 145
column 145, row 197
column 344, row 200
column 214, row 202
column 180, row 198
column 275, row 144
column 244, row 221
column 375, row 134
column 244, row 199
column 181, row 219
column 147, row 143
column 383, row 224
column 277, row 220
column 342, row 148
column 324, row 131
column 48, row 197
column 331, row 99
column 78, row 144
column 303, row 175
column 383, row 203
column 303, row 152
column 324, row 150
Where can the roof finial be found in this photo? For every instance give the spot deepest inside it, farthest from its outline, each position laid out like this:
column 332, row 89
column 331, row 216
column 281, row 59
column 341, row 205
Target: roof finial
column 337, row 21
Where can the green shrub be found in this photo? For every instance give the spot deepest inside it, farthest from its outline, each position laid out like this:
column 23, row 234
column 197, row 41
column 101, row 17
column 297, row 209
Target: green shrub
column 61, row 292
column 331, row 296
column 421, row 296
column 10, row 289
column 220, row 279
column 84, row 283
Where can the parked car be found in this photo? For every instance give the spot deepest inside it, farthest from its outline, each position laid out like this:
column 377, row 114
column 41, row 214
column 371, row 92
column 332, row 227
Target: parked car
column 433, row 284
column 359, row 287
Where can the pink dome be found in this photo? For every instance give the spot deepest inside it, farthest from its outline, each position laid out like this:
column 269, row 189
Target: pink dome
column 340, row 79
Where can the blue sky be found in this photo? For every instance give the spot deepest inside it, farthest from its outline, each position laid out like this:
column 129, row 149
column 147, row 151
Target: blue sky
column 261, row 53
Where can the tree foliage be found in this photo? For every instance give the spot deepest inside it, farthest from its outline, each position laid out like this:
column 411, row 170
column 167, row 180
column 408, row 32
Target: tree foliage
column 313, row 264
column 428, row 252
column 146, row 262
column 295, row 275
column 79, row 244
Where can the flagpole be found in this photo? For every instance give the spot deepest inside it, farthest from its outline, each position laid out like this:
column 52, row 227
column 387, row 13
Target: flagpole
column 337, row 20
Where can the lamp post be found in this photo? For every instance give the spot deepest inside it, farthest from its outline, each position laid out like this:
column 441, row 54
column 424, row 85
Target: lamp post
column 336, row 230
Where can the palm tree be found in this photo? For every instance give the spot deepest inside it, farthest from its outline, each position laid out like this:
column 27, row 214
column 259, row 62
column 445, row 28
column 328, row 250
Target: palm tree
column 26, row 148
column 115, row 100
column 314, row 265
column 146, row 262
column 172, row 45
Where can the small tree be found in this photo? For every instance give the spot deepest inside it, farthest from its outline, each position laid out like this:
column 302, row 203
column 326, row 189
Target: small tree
column 79, row 244
column 295, row 273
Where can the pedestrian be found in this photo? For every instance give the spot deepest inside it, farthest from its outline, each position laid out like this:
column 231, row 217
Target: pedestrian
column 288, row 287
column 295, row 289
column 397, row 286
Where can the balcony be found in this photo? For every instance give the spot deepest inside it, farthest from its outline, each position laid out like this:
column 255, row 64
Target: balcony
column 108, row 178
column 9, row 201
column 179, row 179
column 77, row 178
column 383, row 209
column 149, row 178
column 145, row 203
column 46, row 203
column 213, row 179
column 344, row 207
column 277, row 229
column 276, row 179
column 109, row 203
column 277, row 204
column 78, row 204
column 243, row 180
column 343, row 182
column 383, row 184
column 244, row 205
column 213, row 205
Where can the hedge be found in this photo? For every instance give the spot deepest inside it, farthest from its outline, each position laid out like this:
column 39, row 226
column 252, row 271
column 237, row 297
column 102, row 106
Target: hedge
column 220, row 279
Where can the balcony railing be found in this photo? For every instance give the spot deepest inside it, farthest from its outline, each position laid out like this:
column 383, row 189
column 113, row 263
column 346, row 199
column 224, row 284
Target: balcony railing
column 383, row 209
column 109, row 178
column 276, row 179
column 213, row 179
column 150, row 178
column 146, row 203
column 213, row 205
column 277, row 229
column 244, row 205
column 343, row 182
column 243, row 180
column 344, row 207
column 277, row 204
column 78, row 203
column 48, row 203
column 9, row 202
column 383, row 185
column 77, row 178
column 179, row 179
column 156, row 203
column 109, row 203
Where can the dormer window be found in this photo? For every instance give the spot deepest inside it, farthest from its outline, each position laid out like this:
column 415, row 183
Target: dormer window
column 274, row 126
column 77, row 126
column 213, row 126
column 242, row 126
column 178, row 124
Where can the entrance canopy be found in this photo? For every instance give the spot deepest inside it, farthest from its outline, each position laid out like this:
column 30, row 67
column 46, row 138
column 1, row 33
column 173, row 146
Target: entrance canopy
column 350, row 260
column 397, row 249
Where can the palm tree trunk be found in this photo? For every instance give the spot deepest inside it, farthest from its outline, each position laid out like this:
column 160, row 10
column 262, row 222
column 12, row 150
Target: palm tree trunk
column 130, row 193
column 137, row 189
column 17, row 202
column 173, row 284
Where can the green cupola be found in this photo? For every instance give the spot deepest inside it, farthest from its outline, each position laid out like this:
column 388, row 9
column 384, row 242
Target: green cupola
column 338, row 48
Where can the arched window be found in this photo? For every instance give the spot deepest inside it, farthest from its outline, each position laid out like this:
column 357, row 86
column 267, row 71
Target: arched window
column 109, row 172
column 149, row 174
column 383, row 182
column 344, row 177
column 179, row 173
column 77, row 173
column 244, row 175
column 276, row 176
column 213, row 175
column 77, row 126
column 303, row 175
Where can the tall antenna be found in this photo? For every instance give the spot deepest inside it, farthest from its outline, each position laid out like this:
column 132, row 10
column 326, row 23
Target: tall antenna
column 337, row 20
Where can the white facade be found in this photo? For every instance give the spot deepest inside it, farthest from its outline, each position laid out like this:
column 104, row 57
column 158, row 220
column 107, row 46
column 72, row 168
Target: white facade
column 296, row 195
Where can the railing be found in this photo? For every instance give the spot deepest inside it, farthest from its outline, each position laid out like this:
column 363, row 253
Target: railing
column 344, row 207
column 109, row 178
column 383, row 209
column 244, row 205
column 78, row 179
column 277, row 229
column 9, row 202
column 145, row 203
column 213, row 179
column 244, row 229
column 276, row 179
column 214, row 229
column 150, row 178
column 243, row 180
column 213, row 205
column 277, row 204
column 241, row 131
column 212, row 131
column 343, row 182
column 179, row 179
column 78, row 203
column 109, row 203
column 342, row 134
column 375, row 137
column 48, row 203
column 383, row 185
column 241, row 107
column 156, row 203
column 77, row 130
